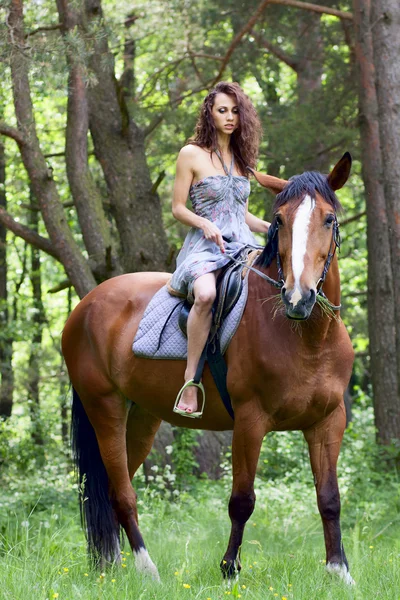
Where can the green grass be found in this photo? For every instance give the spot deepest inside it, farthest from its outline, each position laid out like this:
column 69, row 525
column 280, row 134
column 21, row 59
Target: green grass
column 42, row 548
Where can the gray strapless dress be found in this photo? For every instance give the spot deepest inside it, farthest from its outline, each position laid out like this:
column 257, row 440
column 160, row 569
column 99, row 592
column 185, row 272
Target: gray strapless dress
column 222, row 200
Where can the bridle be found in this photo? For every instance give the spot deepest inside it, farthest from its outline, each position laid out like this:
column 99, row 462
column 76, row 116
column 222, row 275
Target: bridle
column 335, row 243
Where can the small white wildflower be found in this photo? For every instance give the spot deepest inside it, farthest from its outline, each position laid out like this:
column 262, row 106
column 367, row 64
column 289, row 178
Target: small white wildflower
column 154, row 468
column 168, row 449
column 25, row 524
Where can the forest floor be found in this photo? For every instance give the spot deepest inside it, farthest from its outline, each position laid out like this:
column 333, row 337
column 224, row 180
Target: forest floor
column 43, row 553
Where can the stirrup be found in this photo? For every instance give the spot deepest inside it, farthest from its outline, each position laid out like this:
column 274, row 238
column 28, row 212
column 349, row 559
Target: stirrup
column 183, row 413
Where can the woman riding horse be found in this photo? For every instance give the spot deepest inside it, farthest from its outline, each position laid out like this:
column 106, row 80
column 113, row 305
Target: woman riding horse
column 279, row 377
column 227, row 134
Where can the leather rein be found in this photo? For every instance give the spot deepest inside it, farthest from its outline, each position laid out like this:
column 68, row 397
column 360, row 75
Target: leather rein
column 335, row 243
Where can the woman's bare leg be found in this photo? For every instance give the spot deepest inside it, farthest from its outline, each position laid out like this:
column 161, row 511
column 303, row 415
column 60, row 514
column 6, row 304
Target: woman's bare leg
column 198, row 328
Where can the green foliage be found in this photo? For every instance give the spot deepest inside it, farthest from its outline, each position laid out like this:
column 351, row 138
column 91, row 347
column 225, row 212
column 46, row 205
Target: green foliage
column 184, row 460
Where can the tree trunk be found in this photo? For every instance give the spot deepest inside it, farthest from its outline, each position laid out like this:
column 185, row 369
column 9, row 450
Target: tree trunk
column 6, row 343
column 385, row 28
column 309, row 52
column 120, row 148
column 36, row 344
column 42, row 182
column 96, row 232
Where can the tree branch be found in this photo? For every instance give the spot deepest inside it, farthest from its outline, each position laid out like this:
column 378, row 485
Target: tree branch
column 13, row 133
column 276, row 51
column 157, row 182
column 353, row 218
column 154, row 123
column 238, row 37
column 315, row 8
column 44, row 28
column 208, row 56
column 63, row 285
column 30, row 236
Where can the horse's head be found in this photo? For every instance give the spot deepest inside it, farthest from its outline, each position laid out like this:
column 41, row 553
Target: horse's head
column 304, row 233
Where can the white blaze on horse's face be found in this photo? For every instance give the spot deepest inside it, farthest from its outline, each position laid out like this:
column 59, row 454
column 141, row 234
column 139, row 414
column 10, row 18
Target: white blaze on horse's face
column 300, row 234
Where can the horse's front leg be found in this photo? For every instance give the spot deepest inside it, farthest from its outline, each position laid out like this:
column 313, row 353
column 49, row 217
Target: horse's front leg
column 249, row 431
column 324, row 440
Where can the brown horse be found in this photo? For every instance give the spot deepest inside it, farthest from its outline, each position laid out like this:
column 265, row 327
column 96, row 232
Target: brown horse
column 280, row 377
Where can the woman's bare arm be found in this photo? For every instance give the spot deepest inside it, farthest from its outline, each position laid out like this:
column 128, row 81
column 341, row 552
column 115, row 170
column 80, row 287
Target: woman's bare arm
column 255, row 224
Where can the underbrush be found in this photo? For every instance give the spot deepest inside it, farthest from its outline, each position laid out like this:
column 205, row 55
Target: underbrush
column 186, row 527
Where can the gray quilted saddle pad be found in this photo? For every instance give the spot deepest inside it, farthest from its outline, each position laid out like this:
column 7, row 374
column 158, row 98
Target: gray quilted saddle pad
column 173, row 344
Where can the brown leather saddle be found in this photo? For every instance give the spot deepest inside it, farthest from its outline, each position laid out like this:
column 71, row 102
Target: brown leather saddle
column 229, row 288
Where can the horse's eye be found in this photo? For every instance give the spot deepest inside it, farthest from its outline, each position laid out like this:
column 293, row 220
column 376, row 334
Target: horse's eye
column 330, row 219
column 279, row 221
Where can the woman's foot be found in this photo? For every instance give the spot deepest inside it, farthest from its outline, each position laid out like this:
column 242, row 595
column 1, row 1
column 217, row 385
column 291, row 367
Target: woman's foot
column 188, row 401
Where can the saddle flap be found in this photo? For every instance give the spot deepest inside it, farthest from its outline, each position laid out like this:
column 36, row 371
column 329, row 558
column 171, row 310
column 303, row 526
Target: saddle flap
column 183, row 316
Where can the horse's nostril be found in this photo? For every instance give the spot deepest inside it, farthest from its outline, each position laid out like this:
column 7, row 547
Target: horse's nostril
column 312, row 296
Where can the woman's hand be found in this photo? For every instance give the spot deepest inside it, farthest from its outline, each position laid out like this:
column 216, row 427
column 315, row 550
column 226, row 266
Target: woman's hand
column 211, row 232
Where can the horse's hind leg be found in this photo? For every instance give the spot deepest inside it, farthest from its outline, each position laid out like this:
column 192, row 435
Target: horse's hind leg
column 324, row 440
column 140, row 432
column 108, row 416
column 248, row 434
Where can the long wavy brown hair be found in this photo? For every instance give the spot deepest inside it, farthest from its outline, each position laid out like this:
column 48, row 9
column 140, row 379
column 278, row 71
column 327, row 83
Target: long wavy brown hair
column 245, row 140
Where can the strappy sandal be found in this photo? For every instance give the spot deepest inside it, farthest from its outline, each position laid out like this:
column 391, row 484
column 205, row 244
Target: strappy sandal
column 183, row 413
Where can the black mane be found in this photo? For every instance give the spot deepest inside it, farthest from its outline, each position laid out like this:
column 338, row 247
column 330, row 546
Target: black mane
column 307, row 183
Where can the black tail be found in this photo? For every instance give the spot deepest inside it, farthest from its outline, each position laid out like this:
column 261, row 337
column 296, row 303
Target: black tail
column 97, row 515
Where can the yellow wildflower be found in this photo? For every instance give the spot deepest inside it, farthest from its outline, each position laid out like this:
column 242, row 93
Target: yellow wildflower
column 186, row 586
column 176, row 573
column 371, row 546
column 123, row 566
column 65, row 569
column 284, row 598
column 86, row 574
column 243, row 587
column 271, row 589
column 113, row 580
column 55, row 595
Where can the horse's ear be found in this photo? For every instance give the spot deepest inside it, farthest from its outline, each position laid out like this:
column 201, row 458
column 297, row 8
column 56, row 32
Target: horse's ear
column 274, row 184
column 340, row 172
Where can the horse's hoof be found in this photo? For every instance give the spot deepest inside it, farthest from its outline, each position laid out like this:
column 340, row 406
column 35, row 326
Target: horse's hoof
column 230, row 570
column 341, row 571
column 145, row 565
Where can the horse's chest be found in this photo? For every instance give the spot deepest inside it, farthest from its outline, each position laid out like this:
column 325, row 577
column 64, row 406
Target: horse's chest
column 300, row 390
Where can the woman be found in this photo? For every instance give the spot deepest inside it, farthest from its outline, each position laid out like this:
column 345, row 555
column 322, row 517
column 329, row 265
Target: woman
column 212, row 170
